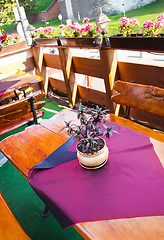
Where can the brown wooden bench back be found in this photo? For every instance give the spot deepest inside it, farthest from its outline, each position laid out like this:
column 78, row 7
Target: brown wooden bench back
column 143, row 97
column 20, row 112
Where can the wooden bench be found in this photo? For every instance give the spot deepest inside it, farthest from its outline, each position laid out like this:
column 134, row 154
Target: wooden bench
column 16, row 114
column 9, row 226
column 16, row 85
column 144, row 97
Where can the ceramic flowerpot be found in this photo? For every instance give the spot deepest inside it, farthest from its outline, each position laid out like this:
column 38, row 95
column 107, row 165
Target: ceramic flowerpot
column 95, row 160
column 81, row 41
column 137, row 42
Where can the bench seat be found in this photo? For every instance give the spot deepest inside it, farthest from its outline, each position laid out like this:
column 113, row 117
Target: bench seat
column 10, row 229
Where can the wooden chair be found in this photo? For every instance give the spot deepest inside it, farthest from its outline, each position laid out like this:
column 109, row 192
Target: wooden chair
column 16, row 114
column 143, row 97
column 9, row 227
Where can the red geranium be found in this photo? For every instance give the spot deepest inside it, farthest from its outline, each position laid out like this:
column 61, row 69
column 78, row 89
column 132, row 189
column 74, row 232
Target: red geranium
column 3, row 37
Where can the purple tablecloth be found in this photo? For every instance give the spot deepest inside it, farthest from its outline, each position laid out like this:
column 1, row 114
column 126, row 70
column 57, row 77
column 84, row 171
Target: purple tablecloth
column 130, row 184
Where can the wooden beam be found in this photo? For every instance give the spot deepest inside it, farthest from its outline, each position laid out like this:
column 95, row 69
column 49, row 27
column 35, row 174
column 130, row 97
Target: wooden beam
column 41, row 67
column 108, row 70
column 69, row 74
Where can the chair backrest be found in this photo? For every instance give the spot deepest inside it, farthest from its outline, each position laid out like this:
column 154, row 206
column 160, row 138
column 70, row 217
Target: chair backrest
column 143, row 97
column 20, row 112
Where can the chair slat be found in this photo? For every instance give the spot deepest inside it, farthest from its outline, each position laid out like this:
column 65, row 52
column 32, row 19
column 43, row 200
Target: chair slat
column 19, row 113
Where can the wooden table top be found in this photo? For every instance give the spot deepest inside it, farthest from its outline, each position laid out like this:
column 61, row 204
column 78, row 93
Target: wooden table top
column 41, row 140
column 18, row 80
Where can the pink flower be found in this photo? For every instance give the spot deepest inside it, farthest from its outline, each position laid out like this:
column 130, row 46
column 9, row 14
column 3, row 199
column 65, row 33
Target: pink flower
column 160, row 17
column 148, row 24
column 134, row 21
column 124, row 20
column 61, row 26
column 161, row 23
column 40, row 29
column 90, row 25
column 49, row 30
column 82, row 29
column 86, row 20
column 87, row 28
column 75, row 26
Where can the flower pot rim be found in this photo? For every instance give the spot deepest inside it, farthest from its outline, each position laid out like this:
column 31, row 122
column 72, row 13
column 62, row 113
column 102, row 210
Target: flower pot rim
column 36, row 38
column 136, row 36
column 60, row 37
column 96, row 153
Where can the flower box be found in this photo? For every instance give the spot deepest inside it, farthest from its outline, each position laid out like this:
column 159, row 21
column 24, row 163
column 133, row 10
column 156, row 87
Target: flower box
column 81, row 41
column 69, row 42
column 52, row 42
column 13, row 47
column 137, row 42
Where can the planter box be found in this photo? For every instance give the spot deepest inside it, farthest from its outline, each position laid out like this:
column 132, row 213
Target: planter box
column 47, row 42
column 81, row 41
column 70, row 42
column 137, row 42
column 13, row 47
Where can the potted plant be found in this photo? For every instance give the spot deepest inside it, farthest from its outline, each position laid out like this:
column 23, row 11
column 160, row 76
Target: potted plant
column 10, row 42
column 92, row 151
column 132, row 38
column 46, row 36
column 82, row 36
column 73, row 35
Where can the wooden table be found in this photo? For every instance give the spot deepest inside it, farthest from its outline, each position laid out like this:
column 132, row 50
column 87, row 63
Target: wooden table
column 41, row 140
column 19, row 81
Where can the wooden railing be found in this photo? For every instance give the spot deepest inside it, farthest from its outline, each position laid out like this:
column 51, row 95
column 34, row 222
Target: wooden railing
column 106, row 68
column 87, row 66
